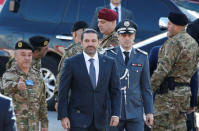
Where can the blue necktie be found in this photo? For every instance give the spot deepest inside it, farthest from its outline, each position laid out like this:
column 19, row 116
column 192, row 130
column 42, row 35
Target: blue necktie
column 116, row 9
column 92, row 73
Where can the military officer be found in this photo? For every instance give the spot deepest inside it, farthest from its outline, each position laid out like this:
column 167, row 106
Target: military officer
column 133, row 67
column 71, row 50
column 27, row 90
column 107, row 23
column 40, row 48
column 177, row 61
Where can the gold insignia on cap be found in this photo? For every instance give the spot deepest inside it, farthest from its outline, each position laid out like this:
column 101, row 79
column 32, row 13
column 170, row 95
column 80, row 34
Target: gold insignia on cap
column 45, row 43
column 126, row 23
column 20, row 44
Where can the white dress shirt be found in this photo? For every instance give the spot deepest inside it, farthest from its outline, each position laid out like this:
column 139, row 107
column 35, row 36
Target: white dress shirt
column 95, row 62
column 125, row 50
column 119, row 11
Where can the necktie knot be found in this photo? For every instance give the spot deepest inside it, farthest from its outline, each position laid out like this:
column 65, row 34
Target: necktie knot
column 116, row 9
column 126, row 53
column 91, row 60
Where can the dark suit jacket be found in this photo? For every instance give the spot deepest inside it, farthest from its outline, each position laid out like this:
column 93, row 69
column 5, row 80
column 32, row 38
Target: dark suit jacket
column 125, row 14
column 87, row 104
column 7, row 116
column 153, row 60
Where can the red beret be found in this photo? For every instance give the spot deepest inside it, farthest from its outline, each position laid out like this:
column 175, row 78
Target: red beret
column 107, row 14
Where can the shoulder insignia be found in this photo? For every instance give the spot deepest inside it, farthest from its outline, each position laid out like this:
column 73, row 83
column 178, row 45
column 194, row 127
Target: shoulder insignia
column 141, row 51
column 111, row 49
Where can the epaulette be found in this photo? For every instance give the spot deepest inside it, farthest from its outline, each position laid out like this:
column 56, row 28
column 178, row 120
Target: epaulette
column 141, row 51
column 111, row 49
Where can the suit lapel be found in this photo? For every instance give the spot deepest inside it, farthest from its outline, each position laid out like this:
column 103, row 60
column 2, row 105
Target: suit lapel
column 102, row 62
column 84, row 68
column 132, row 55
column 120, row 56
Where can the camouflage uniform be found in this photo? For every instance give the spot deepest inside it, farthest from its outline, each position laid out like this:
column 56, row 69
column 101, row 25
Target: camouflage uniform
column 177, row 58
column 30, row 105
column 10, row 63
column 36, row 64
column 70, row 51
column 109, row 40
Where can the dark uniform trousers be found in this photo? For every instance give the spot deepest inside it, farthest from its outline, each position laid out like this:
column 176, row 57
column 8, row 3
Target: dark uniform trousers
column 129, row 125
column 90, row 128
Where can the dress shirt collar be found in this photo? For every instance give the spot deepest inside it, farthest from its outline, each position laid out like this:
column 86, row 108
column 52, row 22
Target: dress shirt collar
column 87, row 57
column 113, row 7
column 125, row 50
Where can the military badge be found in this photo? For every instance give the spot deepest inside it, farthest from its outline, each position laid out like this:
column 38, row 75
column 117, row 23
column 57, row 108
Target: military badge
column 126, row 23
column 20, row 44
column 29, row 82
column 45, row 43
column 137, row 65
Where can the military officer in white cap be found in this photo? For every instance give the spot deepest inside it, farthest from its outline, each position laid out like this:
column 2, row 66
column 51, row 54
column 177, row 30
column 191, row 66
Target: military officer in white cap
column 133, row 67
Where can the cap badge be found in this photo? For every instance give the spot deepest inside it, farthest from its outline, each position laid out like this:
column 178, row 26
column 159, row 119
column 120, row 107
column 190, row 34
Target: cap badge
column 126, row 23
column 20, row 44
column 45, row 43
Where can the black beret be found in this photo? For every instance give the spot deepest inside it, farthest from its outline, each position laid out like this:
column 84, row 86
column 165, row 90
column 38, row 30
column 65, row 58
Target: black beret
column 38, row 41
column 79, row 25
column 23, row 45
column 126, row 26
column 178, row 18
column 193, row 29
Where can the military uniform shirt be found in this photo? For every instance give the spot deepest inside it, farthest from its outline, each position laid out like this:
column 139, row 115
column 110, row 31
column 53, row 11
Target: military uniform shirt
column 177, row 58
column 70, row 51
column 109, row 40
column 30, row 105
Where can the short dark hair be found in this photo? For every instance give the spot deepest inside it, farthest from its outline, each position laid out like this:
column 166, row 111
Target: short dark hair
column 89, row 30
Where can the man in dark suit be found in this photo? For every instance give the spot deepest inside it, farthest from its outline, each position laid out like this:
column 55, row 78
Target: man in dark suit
column 115, row 5
column 7, row 116
column 93, row 81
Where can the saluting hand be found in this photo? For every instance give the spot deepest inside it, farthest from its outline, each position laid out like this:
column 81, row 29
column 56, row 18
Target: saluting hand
column 114, row 121
column 21, row 85
column 65, row 123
